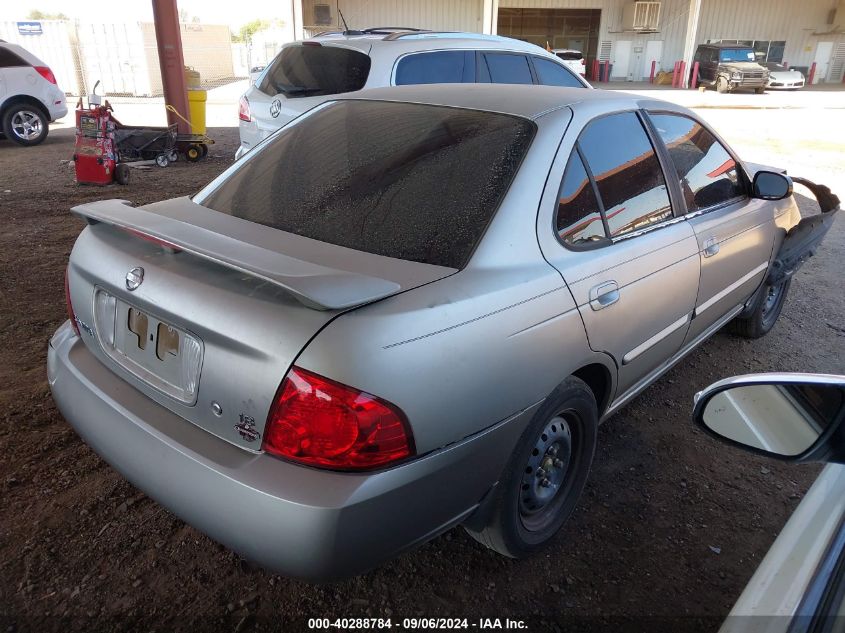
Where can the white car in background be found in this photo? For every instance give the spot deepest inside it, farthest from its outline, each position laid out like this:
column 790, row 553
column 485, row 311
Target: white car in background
column 307, row 73
column 783, row 78
column 29, row 96
column 573, row 59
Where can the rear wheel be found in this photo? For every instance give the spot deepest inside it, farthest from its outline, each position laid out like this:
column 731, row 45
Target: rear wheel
column 193, row 153
column 546, row 474
column 25, row 124
column 767, row 308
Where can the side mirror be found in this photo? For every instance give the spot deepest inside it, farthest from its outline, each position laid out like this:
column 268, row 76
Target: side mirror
column 770, row 185
column 794, row 417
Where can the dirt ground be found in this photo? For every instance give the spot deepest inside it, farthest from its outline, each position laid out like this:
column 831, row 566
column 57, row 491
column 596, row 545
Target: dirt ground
column 670, row 529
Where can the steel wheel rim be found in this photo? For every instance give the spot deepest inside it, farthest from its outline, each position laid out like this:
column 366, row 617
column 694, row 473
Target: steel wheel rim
column 548, row 473
column 770, row 303
column 26, row 125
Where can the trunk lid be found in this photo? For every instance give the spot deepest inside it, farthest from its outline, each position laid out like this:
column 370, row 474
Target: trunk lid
column 224, row 305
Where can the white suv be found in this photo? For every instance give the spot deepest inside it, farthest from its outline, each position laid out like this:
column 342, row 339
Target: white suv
column 29, row 95
column 305, row 74
column 573, row 59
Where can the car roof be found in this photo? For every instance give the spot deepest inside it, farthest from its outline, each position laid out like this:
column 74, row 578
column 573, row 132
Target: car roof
column 402, row 41
column 514, row 99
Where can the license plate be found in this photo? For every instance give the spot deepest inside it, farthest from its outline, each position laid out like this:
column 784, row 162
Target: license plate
column 162, row 355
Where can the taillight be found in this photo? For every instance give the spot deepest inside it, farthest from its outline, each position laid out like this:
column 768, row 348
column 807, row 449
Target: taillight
column 243, row 110
column 70, row 313
column 46, row 73
column 324, row 423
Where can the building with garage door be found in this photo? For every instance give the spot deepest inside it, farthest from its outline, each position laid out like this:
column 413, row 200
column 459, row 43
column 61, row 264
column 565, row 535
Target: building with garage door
column 629, row 34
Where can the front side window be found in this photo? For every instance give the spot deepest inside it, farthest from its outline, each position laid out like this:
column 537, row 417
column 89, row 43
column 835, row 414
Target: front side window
column 308, row 71
column 508, row 68
column 550, row 73
column 440, row 67
column 626, row 171
column 403, row 180
column 707, row 172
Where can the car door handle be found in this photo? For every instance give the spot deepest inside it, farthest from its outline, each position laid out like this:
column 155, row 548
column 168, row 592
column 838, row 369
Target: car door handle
column 603, row 295
column 711, row 247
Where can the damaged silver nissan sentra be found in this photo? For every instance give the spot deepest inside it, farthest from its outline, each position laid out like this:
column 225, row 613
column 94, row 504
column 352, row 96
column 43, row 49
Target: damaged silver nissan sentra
column 410, row 310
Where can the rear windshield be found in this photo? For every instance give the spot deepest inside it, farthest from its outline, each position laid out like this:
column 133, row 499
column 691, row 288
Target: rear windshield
column 307, row 71
column 414, row 182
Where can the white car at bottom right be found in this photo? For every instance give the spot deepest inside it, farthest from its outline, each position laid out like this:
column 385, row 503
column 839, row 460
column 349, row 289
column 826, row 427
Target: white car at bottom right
column 782, row 77
column 800, row 585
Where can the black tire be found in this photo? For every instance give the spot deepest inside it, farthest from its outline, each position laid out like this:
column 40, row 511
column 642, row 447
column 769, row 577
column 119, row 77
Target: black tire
column 765, row 313
column 204, row 150
column 121, row 174
column 193, row 153
column 722, row 85
column 759, row 91
column 536, row 495
column 25, row 124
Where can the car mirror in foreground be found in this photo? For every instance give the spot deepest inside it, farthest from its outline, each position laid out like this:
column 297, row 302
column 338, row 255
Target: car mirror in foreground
column 770, row 185
column 795, row 417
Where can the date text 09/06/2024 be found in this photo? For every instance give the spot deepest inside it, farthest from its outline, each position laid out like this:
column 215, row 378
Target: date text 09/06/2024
column 416, row 623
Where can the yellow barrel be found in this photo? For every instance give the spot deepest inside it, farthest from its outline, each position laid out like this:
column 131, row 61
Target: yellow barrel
column 196, row 101
column 192, row 78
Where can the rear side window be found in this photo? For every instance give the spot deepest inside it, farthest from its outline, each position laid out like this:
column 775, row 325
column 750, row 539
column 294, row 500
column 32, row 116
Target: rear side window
column 441, row 67
column 627, row 173
column 306, row 71
column 410, row 181
column 625, row 170
column 8, row 59
column 579, row 217
column 707, row 172
column 506, row 68
column 551, row 74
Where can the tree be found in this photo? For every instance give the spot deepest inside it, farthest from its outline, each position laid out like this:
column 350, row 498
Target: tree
column 35, row 14
column 251, row 28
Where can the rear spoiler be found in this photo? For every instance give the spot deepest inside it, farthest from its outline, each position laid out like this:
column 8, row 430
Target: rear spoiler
column 231, row 242
column 803, row 240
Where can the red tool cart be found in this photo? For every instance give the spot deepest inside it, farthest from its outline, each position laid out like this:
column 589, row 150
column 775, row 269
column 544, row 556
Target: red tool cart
column 94, row 153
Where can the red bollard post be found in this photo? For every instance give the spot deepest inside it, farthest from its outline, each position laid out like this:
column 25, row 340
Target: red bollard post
column 812, row 74
column 651, row 75
column 675, row 75
column 785, row 65
column 694, row 83
column 605, row 71
column 682, row 76
column 596, row 70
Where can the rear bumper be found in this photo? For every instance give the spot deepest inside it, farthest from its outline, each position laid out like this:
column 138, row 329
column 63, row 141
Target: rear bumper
column 295, row 520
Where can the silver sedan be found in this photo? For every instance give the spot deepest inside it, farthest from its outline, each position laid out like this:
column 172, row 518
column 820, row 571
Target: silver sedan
column 410, row 310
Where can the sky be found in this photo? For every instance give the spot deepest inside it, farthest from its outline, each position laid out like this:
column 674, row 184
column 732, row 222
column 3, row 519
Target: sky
column 234, row 14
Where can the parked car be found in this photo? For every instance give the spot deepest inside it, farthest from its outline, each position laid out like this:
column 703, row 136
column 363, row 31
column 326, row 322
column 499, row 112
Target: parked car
column 574, row 60
column 410, row 309
column 728, row 67
column 305, row 74
column 800, row 585
column 29, row 97
column 255, row 73
column 783, row 78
